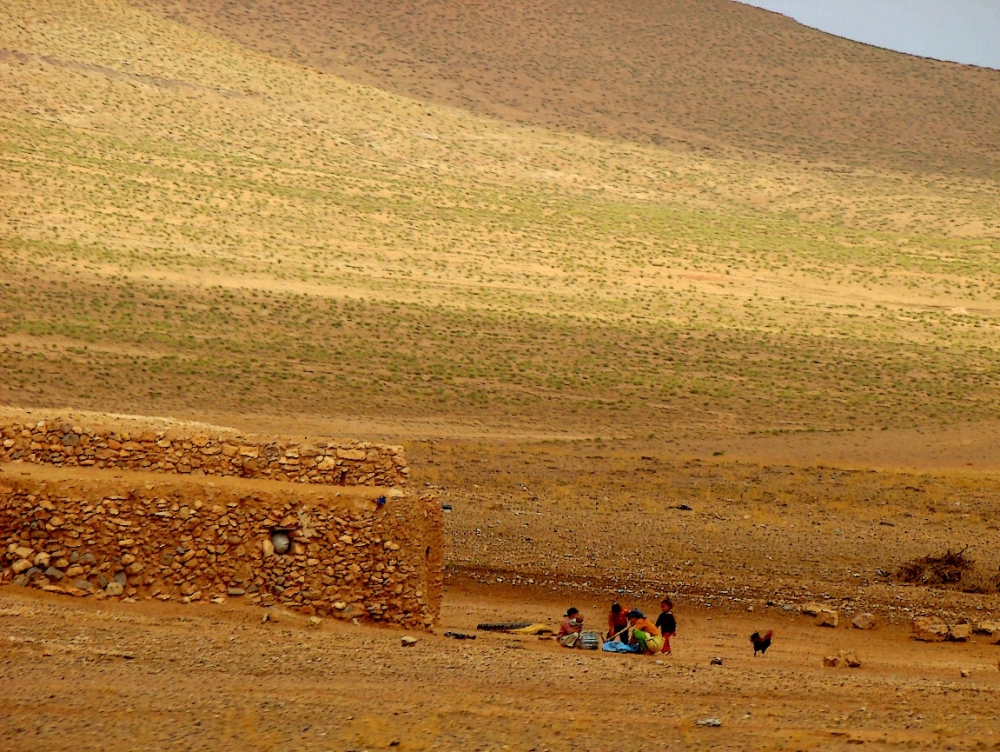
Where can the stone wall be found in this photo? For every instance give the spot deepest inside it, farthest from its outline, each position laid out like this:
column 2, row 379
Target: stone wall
column 336, row 463
column 139, row 535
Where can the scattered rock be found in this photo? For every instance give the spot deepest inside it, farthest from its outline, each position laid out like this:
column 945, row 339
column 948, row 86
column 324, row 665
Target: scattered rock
column 315, row 621
column 864, row 621
column 827, row 618
column 716, row 661
column 709, row 722
column 959, row 632
column 966, row 673
column 843, row 659
column 812, row 609
column 235, row 591
column 929, row 629
column 53, row 574
column 408, row 642
column 114, row 589
column 82, row 585
column 21, row 565
column 988, row 628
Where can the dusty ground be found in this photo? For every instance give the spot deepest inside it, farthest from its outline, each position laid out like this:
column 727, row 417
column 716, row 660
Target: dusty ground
column 536, row 527
column 147, row 676
column 573, row 335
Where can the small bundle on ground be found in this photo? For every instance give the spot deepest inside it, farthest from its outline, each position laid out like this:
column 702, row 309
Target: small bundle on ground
column 947, row 569
column 950, row 570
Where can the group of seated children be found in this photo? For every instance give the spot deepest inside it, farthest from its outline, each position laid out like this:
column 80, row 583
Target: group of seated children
column 631, row 630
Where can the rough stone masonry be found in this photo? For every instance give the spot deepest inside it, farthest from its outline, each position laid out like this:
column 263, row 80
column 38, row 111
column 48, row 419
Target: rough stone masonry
column 337, row 463
column 167, row 519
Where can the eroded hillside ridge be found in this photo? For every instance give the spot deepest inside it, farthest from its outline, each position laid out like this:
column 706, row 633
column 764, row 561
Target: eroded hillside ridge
column 345, row 463
column 188, row 539
column 701, row 74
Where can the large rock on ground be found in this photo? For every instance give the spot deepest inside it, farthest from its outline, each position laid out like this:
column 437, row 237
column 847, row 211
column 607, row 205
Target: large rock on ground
column 812, row 609
column 929, row 629
column 864, row 621
column 959, row 632
column 843, row 659
column 827, row 618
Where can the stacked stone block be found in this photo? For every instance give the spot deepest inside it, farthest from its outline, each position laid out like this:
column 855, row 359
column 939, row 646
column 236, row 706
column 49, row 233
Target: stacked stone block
column 335, row 463
column 189, row 543
column 185, row 532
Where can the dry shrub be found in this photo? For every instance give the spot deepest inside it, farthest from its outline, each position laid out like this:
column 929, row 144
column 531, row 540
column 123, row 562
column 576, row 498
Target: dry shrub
column 952, row 570
column 948, row 569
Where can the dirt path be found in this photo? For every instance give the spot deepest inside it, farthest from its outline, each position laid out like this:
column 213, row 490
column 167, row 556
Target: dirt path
column 155, row 676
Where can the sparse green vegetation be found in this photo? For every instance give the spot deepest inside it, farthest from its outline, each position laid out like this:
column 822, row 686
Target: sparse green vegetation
column 208, row 222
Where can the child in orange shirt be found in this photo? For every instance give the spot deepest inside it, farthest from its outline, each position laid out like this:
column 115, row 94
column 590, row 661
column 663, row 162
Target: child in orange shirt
column 645, row 633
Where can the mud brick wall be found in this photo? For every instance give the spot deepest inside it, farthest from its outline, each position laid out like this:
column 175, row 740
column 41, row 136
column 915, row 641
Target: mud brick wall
column 191, row 540
column 334, row 463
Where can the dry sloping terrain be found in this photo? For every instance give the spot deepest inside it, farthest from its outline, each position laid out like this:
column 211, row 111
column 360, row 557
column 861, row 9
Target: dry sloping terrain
column 706, row 73
column 190, row 227
column 195, row 229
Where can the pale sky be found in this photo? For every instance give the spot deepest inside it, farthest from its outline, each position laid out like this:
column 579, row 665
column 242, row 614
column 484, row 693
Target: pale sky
column 964, row 31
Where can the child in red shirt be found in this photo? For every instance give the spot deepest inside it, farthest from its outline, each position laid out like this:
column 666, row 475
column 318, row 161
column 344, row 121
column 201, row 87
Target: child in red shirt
column 617, row 623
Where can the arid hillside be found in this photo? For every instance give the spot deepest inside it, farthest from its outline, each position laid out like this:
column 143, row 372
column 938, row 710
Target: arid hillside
column 195, row 229
column 706, row 74
column 699, row 303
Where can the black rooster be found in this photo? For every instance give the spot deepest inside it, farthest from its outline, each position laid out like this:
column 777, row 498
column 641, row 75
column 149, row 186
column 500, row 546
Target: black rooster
column 760, row 643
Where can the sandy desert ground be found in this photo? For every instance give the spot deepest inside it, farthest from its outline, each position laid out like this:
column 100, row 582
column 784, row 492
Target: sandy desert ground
column 145, row 676
column 753, row 375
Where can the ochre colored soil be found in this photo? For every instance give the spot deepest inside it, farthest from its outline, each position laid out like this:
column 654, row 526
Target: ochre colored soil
column 701, row 74
column 154, row 676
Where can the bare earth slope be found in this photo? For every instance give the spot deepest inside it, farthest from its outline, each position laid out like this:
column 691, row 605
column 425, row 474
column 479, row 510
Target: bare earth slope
column 747, row 379
column 706, row 72
column 195, row 229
